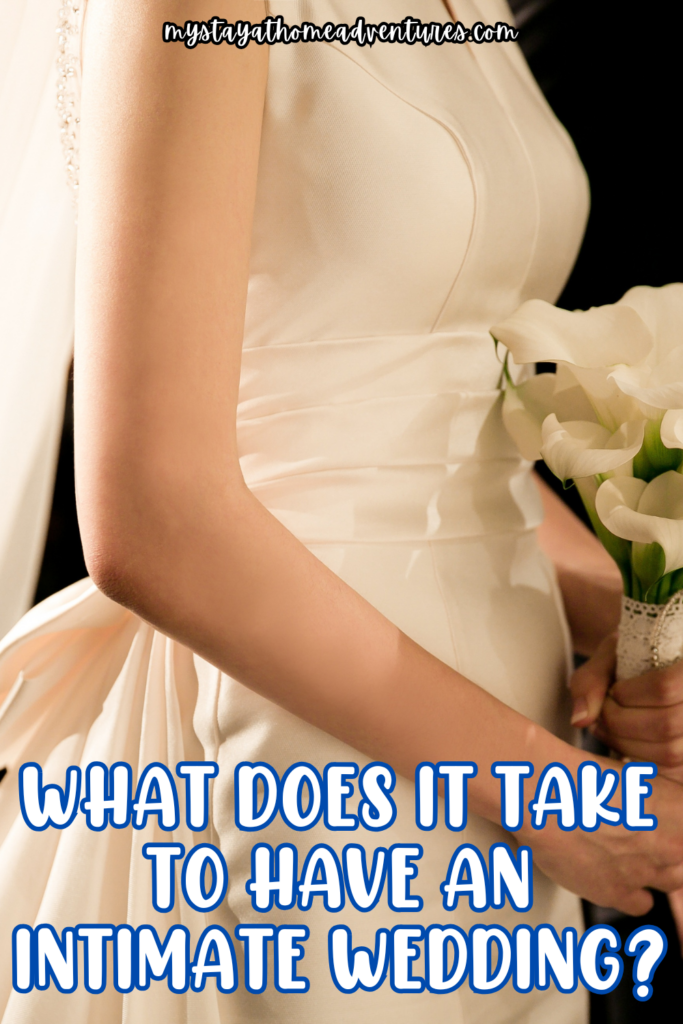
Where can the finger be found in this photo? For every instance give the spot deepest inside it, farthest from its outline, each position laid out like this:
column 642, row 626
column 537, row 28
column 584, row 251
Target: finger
column 668, row 755
column 642, row 723
column 669, row 879
column 662, row 687
column 591, row 682
column 635, row 904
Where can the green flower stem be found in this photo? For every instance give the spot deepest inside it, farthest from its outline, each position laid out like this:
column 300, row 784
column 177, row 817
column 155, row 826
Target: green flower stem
column 654, row 458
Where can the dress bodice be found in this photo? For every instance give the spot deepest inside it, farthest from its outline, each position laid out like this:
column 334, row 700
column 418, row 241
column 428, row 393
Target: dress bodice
column 409, row 197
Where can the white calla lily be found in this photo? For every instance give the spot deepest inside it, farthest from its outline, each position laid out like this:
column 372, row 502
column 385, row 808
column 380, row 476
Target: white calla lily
column 599, row 337
column 626, row 363
column 527, row 405
column 657, row 381
column 633, row 349
column 577, row 449
column 646, row 513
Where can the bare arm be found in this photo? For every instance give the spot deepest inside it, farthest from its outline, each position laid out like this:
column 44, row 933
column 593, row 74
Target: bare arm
column 589, row 579
column 169, row 158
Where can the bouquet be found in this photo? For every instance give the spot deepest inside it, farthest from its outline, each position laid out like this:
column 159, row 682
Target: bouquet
column 610, row 419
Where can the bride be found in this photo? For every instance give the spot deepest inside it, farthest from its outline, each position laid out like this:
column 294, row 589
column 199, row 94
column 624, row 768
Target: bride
column 308, row 536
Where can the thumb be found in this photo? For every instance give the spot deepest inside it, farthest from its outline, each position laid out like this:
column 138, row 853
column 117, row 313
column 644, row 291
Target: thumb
column 591, row 682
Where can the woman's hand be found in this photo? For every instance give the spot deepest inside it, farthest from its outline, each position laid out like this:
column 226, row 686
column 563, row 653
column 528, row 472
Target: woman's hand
column 641, row 718
column 613, row 866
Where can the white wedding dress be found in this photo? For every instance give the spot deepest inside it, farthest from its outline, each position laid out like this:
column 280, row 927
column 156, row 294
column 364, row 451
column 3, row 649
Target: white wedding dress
column 408, row 198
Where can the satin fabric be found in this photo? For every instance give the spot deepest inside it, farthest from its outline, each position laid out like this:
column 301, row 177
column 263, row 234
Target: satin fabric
column 408, row 198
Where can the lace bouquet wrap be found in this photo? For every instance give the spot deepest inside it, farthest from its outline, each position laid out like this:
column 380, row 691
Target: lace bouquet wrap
column 610, row 419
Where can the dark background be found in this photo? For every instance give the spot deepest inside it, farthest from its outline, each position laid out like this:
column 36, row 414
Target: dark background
column 611, row 71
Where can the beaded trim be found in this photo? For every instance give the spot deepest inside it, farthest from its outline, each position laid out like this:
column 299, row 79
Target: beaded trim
column 68, row 85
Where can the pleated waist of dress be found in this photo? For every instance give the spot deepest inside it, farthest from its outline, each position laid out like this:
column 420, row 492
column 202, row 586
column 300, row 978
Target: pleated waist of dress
column 382, row 439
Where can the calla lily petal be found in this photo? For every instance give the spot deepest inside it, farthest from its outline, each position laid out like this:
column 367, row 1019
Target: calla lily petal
column 646, row 513
column 601, row 336
column 526, row 406
column 581, row 449
column 663, row 496
column 572, row 403
column 524, row 409
column 660, row 386
column 671, row 429
column 661, row 309
column 612, row 406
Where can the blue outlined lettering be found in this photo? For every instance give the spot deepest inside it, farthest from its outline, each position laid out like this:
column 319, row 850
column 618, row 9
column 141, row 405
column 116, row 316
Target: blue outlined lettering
column 401, row 870
column 337, row 792
column 108, row 795
column 456, row 774
column 512, row 775
column 124, row 958
column 600, row 971
column 403, row 951
column 377, row 810
column 23, row 973
column 635, row 792
column 156, row 794
column 321, row 875
column 483, row 978
column 203, row 858
column 425, row 796
column 94, row 938
column 466, row 876
column 555, row 794
column 250, row 814
column 56, row 959
column 159, row 960
column 439, row 940
column 197, row 775
column 255, row 937
column 214, row 942
column 288, row 950
column 353, row 968
column 298, row 777
column 524, row 959
column 555, row 960
column 267, row 887
column 48, row 806
column 488, row 956
column 163, row 857
column 511, row 876
column 364, row 889
column 595, row 788
column 647, row 944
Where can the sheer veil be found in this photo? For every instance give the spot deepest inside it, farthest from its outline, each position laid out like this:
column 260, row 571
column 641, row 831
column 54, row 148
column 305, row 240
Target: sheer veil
column 37, row 247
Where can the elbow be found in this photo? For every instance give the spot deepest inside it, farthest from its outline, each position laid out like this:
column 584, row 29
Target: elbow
column 146, row 543
column 113, row 568
column 121, row 550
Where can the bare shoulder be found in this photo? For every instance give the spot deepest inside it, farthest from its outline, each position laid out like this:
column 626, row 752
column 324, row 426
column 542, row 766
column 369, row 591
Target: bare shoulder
column 144, row 80
column 144, row 97
column 169, row 139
